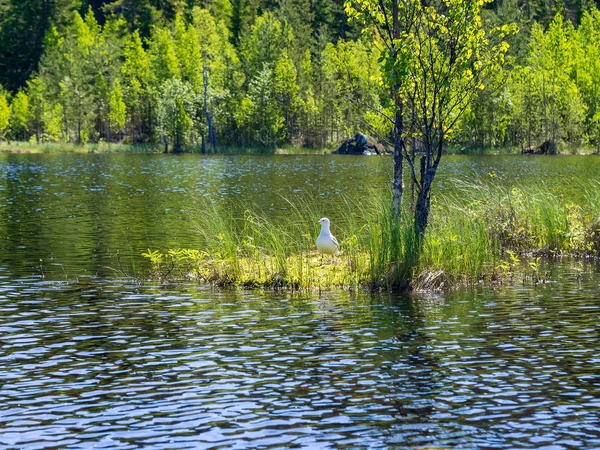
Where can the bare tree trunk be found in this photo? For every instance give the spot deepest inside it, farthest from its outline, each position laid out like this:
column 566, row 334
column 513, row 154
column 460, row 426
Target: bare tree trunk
column 38, row 121
column 528, row 113
column 66, row 123
column 545, row 109
column 412, row 180
column 552, row 122
column 428, row 169
column 211, row 135
column 422, row 208
column 413, row 150
column 398, row 166
column 423, row 205
column 398, row 127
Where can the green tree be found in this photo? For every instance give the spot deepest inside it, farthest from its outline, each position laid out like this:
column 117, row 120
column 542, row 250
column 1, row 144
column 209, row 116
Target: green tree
column 142, row 15
column 241, row 17
column 118, row 109
column 436, row 56
column 138, row 79
column 268, row 122
column 105, row 60
column 163, row 54
column 487, row 119
column 176, row 107
column 298, row 17
column 235, row 109
column 4, row 113
column 586, row 71
column 37, row 103
column 263, row 44
column 287, row 93
column 308, row 111
column 188, row 53
column 349, row 89
column 558, row 112
column 19, row 117
column 23, row 27
column 219, row 66
column 53, row 120
column 78, row 68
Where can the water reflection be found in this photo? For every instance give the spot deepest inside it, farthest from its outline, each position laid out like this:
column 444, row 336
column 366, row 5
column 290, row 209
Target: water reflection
column 119, row 365
column 99, row 361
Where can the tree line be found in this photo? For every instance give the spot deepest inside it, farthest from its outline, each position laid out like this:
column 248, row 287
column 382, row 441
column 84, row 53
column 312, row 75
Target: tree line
column 246, row 73
column 549, row 94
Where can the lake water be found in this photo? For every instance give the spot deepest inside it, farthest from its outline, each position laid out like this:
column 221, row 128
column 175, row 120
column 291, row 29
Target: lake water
column 90, row 358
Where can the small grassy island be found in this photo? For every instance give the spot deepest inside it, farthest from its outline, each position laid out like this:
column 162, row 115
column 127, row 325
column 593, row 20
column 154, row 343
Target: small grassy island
column 481, row 232
column 426, row 79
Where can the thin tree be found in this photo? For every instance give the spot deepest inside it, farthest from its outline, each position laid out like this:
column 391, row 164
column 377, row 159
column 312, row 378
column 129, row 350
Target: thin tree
column 209, row 123
column 392, row 20
column 436, row 56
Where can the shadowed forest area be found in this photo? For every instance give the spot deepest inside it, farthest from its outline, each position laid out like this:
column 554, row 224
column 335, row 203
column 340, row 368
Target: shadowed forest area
column 267, row 73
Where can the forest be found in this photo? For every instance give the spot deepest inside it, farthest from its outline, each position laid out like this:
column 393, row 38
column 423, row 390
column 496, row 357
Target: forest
column 205, row 74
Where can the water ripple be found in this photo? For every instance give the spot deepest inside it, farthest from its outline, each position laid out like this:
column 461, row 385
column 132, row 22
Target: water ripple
column 119, row 366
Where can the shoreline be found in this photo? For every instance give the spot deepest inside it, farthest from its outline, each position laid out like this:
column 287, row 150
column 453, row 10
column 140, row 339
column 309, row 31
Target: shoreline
column 336, row 274
column 17, row 147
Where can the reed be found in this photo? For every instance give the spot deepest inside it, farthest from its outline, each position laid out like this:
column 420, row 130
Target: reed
column 97, row 147
column 478, row 232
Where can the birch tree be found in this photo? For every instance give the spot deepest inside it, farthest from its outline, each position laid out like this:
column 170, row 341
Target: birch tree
column 435, row 56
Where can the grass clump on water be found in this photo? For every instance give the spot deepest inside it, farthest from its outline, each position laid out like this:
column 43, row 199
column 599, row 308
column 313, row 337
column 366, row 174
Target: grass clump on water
column 478, row 232
column 256, row 250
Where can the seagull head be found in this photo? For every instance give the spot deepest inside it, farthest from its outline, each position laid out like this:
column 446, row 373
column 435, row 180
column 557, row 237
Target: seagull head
column 324, row 221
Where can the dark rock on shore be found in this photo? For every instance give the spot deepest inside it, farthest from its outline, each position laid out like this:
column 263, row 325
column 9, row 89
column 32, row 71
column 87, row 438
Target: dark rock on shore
column 547, row 148
column 361, row 144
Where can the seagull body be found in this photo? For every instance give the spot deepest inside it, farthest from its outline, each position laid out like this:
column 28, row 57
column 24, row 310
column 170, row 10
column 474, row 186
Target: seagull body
column 326, row 242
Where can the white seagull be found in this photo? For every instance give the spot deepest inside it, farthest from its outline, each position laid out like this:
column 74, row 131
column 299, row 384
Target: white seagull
column 326, row 242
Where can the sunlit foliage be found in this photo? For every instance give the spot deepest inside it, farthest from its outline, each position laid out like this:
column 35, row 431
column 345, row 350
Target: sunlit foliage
column 285, row 73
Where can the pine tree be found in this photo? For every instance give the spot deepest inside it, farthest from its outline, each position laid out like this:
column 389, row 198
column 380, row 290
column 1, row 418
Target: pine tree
column 138, row 79
column 19, row 116
column 23, row 27
column 176, row 108
column 118, row 109
column 37, row 104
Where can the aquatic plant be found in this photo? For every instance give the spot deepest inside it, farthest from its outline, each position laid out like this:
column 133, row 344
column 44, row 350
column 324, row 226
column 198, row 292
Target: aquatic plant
column 483, row 231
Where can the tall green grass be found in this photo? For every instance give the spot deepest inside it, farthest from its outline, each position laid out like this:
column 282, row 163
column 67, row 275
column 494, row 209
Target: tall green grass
column 98, row 147
column 478, row 231
column 114, row 147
